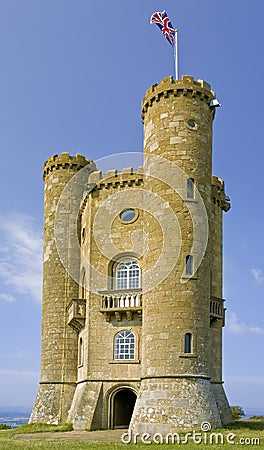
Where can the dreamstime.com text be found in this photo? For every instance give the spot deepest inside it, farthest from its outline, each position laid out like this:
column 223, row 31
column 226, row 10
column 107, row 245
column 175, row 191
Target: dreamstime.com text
column 195, row 437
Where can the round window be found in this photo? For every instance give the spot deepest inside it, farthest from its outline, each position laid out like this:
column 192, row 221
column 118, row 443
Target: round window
column 191, row 123
column 127, row 215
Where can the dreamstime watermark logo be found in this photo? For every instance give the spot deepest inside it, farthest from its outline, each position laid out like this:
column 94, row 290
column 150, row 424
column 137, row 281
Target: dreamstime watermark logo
column 157, row 171
column 205, row 436
column 206, row 426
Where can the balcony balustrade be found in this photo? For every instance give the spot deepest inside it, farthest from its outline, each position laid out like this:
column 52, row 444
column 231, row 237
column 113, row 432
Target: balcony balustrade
column 121, row 303
column 217, row 310
column 126, row 304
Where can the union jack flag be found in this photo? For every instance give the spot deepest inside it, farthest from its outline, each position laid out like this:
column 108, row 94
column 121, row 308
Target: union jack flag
column 161, row 19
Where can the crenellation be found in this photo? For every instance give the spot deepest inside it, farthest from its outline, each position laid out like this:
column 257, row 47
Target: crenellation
column 128, row 170
column 64, row 161
column 95, row 177
column 111, row 173
column 185, row 87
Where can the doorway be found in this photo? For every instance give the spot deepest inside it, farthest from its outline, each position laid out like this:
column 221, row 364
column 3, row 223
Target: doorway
column 123, row 406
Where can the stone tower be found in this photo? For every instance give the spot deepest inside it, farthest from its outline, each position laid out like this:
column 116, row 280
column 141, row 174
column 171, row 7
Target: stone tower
column 183, row 316
column 59, row 341
column 139, row 342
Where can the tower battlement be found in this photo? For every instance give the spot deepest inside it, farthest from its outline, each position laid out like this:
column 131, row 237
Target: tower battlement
column 127, row 177
column 113, row 176
column 64, row 161
column 218, row 182
column 218, row 193
column 187, row 87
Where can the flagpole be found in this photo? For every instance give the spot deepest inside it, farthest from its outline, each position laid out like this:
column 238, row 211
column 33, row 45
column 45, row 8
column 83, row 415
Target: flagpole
column 176, row 55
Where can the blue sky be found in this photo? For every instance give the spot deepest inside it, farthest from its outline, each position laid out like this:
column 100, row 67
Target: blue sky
column 72, row 77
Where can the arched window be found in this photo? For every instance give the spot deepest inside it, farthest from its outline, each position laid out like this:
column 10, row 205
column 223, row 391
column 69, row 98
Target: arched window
column 124, row 345
column 190, row 188
column 189, row 265
column 128, row 275
column 80, row 353
column 188, row 343
column 83, row 283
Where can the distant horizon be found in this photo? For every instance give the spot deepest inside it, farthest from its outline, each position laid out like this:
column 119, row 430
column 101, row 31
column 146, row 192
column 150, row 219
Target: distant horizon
column 29, row 408
column 19, row 415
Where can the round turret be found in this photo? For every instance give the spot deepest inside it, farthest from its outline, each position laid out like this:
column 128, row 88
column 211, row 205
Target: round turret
column 177, row 117
column 59, row 341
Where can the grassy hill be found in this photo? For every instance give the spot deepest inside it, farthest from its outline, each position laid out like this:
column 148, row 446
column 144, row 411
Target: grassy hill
column 249, row 433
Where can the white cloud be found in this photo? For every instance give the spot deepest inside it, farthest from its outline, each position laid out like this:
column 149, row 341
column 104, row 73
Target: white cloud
column 7, row 297
column 21, row 256
column 258, row 275
column 21, row 354
column 237, row 327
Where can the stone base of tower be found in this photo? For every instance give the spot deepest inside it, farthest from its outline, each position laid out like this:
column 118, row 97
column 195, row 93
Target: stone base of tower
column 52, row 403
column 166, row 405
column 222, row 403
column 84, row 413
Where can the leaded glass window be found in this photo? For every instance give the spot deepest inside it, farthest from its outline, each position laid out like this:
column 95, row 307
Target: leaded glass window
column 124, row 345
column 128, row 275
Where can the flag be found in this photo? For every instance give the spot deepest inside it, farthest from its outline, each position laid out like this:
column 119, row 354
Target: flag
column 163, row 22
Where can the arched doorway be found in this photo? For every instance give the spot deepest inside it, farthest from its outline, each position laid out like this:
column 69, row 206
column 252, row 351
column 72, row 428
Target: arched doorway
column 123, row 405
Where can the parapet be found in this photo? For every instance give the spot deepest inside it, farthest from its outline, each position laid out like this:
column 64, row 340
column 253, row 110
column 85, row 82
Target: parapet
column 187, row 86
column 218, row 182
column 65, row 161
column 112, row 179
column 218, row 193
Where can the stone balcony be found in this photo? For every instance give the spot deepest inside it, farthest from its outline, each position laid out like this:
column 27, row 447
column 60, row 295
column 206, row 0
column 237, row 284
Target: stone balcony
column 76, row 313
column 217, row 310
column 124, row 303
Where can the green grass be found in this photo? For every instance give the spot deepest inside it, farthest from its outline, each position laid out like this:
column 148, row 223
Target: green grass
column 42, row 428
column 247, row 429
